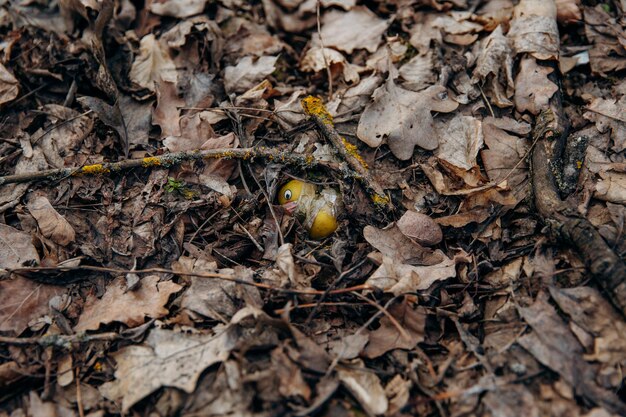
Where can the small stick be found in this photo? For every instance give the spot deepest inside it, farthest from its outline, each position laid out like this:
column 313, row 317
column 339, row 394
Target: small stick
column 167, row 161
column 314, row 108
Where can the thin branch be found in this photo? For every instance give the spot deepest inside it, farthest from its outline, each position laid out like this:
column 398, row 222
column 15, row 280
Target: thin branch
column 167, row 161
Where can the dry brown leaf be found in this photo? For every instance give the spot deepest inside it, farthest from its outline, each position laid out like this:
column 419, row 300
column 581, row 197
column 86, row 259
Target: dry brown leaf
column 143, row 369
column 398, row 278
column 59, row 144
column 403, row 117
column 594, row 314
column 420, row 227
column 388, row 337
column 51, row 223
column 24, row 301
column 216, row 299
column 534, row 29
column 418, row 73
column 128, row 307
column 16, row 248
column 494, row 67
column 153, row 64
column 359, row 28
column 286, row 273
column 568, row 11
column 317, row 59
column 11, row 194
column 611, row 187
column 176, row 8
column 609, row 115
column 365, row 386
column 290, row 379
column 248, row 72
column 533, row 89
column 608, row 38
column 393, row 243
column 9, row 86
column 167, row 112
column 460, row 142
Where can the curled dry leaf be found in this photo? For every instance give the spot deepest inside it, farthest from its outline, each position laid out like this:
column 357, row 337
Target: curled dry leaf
column 393, row 243
column 50, row 222
column 167, row 112
column 418, row 73
column 286, row 273
column 176, row 8
column 608, row 38
column 420, row 227
column 59, row 144
column 403, row 117
column 143, row 369
column 316, row 60
column 365, row 386
column 609, row 115
column 128, row 307
column 9, row 86
column 460, row 142
column 495, row 68
column 534, row 29
column 359, row 28
column 153, row 64
column 568, row 11
column 248, row 72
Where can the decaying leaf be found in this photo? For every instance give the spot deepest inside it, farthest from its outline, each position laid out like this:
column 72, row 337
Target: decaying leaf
column 420, row 227
column 494, row 67
column 24, row 301
column 51, row 223
column 9, row 86
column 359, row 28
column 118, row 304
column 460, row 142
column 153, row 64
column 16, row 248
column 403, row 117
column 365, row 386
column 317, row 59
column 533, row 89
column 398, row 278
column 143, row 369
column 610, row 115
column 248, row 72
column 177, row 8
column 387, row 337
column 534, row 29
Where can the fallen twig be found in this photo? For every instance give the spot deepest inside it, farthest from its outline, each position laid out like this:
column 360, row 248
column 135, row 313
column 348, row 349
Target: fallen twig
column 324, row 121
column 169, row 160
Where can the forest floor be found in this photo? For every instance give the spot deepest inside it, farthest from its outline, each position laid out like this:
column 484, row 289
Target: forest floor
column 473, row 154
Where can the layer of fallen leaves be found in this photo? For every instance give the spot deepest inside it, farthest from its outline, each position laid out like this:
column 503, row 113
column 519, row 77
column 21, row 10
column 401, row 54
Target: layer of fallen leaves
column 454, row 303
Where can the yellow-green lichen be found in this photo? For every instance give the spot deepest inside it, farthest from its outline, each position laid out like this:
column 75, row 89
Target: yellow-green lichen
column 313, row 106
column 151, row 161
column 94, row 169
column 380, row 200
column 354, row 152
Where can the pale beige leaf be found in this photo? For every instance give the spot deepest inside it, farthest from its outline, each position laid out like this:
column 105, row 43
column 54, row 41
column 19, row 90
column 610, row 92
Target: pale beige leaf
column 460, row 142
column 16, row 248
column 403, row 117
column 128, row 307
column 534, row 29
column 398, row 278
column 9, row 86
column 50, row 222
column 365, row 386
column 248, row 72
column 143, row 369
column 153, row 64
column 611, row 187
column 317, row 59
column 359, row 28
column 418, row 73
column 177, row 8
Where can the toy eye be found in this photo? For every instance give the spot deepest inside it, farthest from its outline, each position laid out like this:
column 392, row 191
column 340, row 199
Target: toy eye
column 287, row 194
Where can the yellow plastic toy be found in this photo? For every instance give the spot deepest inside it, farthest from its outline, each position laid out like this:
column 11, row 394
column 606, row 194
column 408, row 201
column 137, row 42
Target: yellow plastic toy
column 318, row 210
